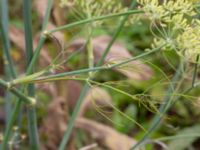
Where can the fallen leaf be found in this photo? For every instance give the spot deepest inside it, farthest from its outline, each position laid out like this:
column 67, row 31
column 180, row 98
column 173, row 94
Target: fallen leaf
column 17, row 37
column 54, row 125
column 49, row 88
column 110, row 138
column 73, row 92
column 58, row 14
column 40, row 7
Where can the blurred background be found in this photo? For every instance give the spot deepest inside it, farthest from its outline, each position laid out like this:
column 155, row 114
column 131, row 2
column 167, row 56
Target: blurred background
column 108, row 119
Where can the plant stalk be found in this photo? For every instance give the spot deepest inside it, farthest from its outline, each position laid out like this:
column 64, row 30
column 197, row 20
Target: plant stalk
column 86, row 88
column 89, row 20
column 31, row 111
column 9, row 70
column 29, row 70
column 38, row 76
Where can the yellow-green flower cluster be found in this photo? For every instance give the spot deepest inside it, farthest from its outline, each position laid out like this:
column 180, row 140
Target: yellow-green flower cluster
column 189, row 41
column 175, row 21
column 95, row 8
column 169, row 10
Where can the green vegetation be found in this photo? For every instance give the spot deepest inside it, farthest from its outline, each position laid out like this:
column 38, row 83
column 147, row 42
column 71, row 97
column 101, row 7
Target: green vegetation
column 100, row 74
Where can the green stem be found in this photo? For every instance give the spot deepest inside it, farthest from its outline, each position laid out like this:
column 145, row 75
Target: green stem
column 23, row 97
column 10, row 72
column 32, row 117
column 162, row 110
column 195, row 71
column 90, row 51
column 71, row 122
column 34, row 77
column 116, row 34
column 89, row 20
column 193, row 85
column 89, row 45
column 33, row 61
column 4, row 32
column 42, row 38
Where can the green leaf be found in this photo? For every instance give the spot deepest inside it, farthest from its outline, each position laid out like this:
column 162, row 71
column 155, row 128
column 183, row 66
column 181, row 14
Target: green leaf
column 183, row 143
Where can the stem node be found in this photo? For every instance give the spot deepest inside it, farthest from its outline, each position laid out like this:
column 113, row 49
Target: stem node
column 46, row 33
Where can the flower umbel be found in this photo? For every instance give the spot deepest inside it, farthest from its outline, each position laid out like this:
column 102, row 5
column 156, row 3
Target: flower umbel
column 189, row 41
column 95, row 8
column 177, row 25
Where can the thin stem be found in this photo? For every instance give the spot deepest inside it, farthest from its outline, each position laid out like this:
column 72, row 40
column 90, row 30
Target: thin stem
column 23, row 97
column 89, row 20
column 36, row 76
column 71, row 122
column 193, row 85
column 116, row 34
column 90, row 51
column 42, row 38
column 195, row 71
column 162, row 110
column 36, row 55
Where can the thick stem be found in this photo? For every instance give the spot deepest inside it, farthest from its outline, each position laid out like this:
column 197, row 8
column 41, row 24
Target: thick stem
column 32, row 118
column 9, row 70
column 29, row 70
column 4, row 32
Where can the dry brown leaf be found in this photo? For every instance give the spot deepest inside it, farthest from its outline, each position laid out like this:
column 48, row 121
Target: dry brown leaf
column 58, row 14
column 57, row 11
column 110, row 138
column 89, row 147
column 73, row 92
column 17, row 37
column 41, row 6
column 48, row 88
column 134, row 70
column 95, row 97
column 54, row 125
column 58, row 35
